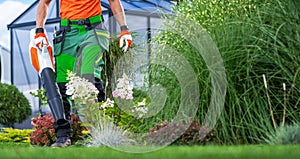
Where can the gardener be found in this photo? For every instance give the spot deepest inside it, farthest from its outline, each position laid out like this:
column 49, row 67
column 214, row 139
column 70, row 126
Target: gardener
column 78, row 46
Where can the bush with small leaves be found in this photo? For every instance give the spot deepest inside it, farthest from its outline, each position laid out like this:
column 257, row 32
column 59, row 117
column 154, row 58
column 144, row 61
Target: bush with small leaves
column 14, row 135
column 14, row 106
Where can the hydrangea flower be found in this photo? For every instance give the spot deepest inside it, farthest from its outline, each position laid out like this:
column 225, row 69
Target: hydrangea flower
column 123, row 89
column 80, row 88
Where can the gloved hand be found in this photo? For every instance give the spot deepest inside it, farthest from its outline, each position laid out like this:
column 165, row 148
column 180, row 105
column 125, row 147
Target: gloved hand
column 40, row 58
column 125, row 39
column 40, row 38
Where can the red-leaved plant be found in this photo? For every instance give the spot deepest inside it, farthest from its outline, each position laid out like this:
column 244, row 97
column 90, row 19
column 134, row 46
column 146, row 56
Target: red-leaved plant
column 44, row 132
column 193, row 134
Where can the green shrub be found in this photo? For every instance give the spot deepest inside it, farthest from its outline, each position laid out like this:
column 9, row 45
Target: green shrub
column 14, row 106
column 14, row 135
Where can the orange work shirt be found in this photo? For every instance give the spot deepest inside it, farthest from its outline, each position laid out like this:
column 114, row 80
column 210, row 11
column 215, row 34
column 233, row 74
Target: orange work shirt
column 79, row 9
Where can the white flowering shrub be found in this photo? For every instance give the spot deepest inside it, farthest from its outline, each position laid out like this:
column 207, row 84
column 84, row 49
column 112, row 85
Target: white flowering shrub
column 80, row 89
column 98, row 116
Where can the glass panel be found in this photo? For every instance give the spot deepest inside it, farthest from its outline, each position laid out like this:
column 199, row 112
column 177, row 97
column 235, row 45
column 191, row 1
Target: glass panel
column 138, row 25
column 156, row 25
column 5, row 71
column 30, row 14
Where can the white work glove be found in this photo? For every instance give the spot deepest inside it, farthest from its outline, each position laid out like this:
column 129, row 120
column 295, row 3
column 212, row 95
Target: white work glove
column 125, row 39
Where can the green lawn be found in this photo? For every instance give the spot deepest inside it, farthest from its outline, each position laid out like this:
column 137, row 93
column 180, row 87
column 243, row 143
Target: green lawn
column 22, row 151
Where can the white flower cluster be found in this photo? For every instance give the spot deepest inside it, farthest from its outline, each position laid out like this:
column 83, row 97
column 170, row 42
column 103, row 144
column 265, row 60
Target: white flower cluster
column 140, row 109
column 123, row 89
column 81, row 89
column 108, row 103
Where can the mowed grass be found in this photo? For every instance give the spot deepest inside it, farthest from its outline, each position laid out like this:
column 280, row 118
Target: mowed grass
column 24, row 151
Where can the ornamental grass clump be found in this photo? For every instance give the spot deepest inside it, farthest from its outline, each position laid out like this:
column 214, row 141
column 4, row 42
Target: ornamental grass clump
column 254, row 37
column 285, row 135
